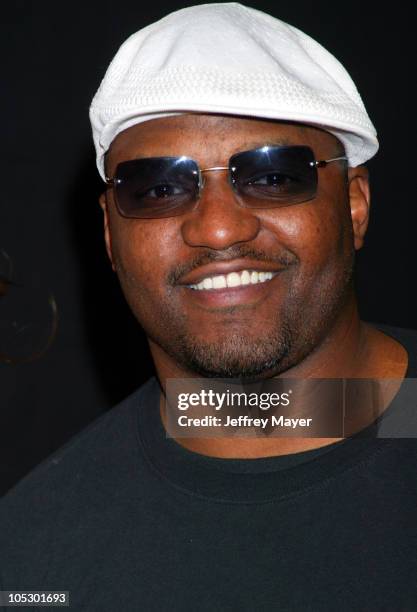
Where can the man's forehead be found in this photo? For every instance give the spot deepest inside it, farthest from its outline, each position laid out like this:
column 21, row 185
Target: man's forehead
column 214, row 134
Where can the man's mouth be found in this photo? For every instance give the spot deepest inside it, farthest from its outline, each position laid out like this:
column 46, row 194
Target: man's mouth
column 236, row 282
column 233, row 279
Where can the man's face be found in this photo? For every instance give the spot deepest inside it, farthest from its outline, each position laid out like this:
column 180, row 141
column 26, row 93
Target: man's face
column 253, row 330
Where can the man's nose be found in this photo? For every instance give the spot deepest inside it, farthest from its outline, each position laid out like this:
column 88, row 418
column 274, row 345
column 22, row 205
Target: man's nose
column 219, row 221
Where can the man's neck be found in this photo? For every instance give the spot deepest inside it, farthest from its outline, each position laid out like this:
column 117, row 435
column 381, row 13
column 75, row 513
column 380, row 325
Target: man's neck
column 352, row 349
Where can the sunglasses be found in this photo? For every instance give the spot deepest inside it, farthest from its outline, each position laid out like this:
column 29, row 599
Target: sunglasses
column 267, row 177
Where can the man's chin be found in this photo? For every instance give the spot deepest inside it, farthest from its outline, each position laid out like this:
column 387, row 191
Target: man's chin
column 235, row 357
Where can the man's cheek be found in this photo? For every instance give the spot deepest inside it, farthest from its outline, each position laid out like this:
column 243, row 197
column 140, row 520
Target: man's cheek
column 322, row 240
column 130, row 256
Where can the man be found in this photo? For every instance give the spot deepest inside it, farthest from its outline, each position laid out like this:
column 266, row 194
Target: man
column 232, row 146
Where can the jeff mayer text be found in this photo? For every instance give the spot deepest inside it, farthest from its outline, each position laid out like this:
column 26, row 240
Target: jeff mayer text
column 243, row 421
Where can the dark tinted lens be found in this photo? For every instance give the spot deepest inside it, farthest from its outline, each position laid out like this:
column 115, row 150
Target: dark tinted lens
column 274, row 176
column 156, row 187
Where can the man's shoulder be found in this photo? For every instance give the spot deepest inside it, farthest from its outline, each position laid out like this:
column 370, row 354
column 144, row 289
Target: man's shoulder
column 74, row 491
column 405, row 336
column 108, row 444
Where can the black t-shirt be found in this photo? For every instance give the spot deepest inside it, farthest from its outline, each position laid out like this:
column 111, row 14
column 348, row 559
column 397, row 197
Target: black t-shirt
column 127, row 519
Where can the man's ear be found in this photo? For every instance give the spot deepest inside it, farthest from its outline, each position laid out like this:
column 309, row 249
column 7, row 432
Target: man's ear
column 360, row 200
column 107, row 235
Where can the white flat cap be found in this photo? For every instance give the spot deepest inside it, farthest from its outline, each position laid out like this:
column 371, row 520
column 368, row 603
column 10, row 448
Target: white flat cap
column 230, row 59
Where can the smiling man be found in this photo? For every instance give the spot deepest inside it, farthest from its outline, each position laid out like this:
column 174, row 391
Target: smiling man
column 232, row 148
column 238, row 267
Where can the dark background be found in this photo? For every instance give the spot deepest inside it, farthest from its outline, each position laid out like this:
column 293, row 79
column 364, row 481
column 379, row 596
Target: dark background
column 54, row 56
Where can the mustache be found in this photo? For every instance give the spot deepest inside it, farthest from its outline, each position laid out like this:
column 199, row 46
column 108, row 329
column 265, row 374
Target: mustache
column 284, row 259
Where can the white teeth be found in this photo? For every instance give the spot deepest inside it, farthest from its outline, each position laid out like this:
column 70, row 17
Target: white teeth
column 234, row 279
column 207, row 283
column 245, row 278
column 219, row 282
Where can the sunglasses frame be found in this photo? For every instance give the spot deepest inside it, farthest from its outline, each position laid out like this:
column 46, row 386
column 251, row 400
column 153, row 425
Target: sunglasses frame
column 322, row 163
